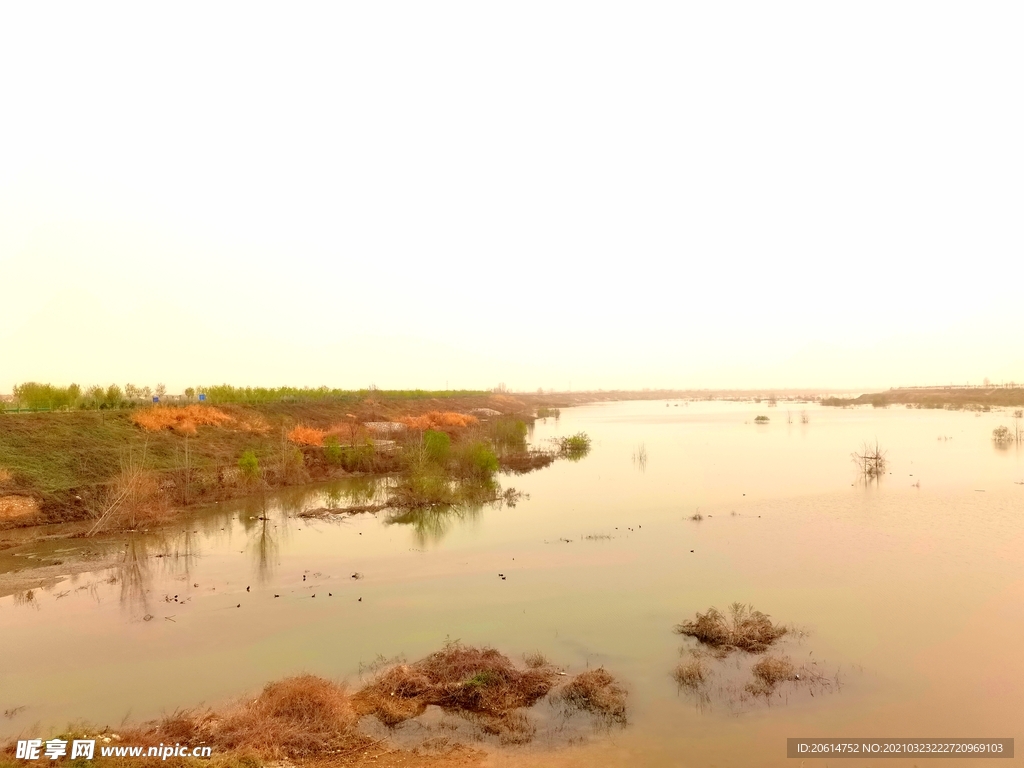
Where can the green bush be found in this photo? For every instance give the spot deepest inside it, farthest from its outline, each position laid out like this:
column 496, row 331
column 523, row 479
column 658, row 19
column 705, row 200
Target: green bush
column 574, row 447
column 477, row 460
column 358, row 458
column 332, row 450
column 249, row 465
column 509, row 434
column 436, row 446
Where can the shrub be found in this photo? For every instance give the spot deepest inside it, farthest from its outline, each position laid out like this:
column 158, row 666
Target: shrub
column 761, row 419
column 303, row 435
column 332, row 450
column 1002, row 435
column 509, row 433
column 748, row 630
column 249, row 465
column 477, row 460
column 436, row 446
column 574, row 447
column 358, row 458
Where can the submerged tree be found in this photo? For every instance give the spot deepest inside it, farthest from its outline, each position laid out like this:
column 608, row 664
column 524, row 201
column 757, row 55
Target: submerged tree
column 871, row 461
column 1002, row 436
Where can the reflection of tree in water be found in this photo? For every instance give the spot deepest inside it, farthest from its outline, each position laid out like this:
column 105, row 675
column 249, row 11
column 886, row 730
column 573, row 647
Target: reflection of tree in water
column 183, row 552
column 264, row 547
column 133, row 576
column 355, row 491
column 431, row 524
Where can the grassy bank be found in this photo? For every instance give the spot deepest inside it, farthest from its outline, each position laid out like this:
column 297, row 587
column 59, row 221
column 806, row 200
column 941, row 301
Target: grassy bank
column 134, row 463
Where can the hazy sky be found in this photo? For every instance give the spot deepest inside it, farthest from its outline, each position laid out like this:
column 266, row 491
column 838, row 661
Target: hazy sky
column 630, row 194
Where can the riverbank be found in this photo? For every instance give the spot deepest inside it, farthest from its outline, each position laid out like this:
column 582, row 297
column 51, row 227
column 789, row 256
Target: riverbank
column 458, row 700
column 951, row 398
column 75, row 465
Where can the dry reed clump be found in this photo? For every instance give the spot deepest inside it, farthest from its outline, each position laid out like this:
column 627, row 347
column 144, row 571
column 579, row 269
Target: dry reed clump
column 439, row 420
column 184, row 419
column 6, row 478
column 693, row 674
column 596, row 691
column 299, row 717
column 747, row 630
column 458, row 678
column 769, row 673
column 303, row 435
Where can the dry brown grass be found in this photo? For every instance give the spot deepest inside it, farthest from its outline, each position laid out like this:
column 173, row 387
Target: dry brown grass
column 461, row 679
column 692, row 674
column 769, row 673
column 6, row 478
column 439, row 420
column 305, row 720
column 297, row 717
column 745, row 630
column 303, row 717
column 18, row 507
column 596, row 691
column 183, row 419
column 303, row 435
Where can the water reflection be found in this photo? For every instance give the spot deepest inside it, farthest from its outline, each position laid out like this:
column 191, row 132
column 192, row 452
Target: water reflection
column 133, row 576
column 430, row 525
column 264, row 546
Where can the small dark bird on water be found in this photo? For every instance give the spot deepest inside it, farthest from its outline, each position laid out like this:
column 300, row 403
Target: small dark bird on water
column 238, row 606
column 330, row 594
column 314, row 595
column 276, row 595
column 246, row 589
column 360, row 599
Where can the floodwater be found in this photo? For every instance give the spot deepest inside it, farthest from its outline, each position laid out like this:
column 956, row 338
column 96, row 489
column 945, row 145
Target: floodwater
column 910, row 591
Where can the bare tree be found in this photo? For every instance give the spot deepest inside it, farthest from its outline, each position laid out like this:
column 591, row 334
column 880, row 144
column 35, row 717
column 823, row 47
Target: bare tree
column 871, row 461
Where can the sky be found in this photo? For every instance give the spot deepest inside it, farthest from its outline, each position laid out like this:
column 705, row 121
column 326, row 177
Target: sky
column 567, row 195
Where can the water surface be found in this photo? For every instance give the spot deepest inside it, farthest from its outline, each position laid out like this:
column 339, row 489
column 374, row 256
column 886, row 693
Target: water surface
column 910, row 590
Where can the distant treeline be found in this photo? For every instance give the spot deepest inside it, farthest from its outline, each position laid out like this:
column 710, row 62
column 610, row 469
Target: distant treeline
column 35, row 396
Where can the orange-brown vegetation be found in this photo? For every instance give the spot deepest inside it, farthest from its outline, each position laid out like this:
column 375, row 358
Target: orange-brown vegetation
column 596, row 691
column 745, row 630
column 184, row 419
column 303, row 435
column 15, row 507
column 439, row 420
column 305, row 719
column 769, row 673
column 458, row 678
column 346, row 432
